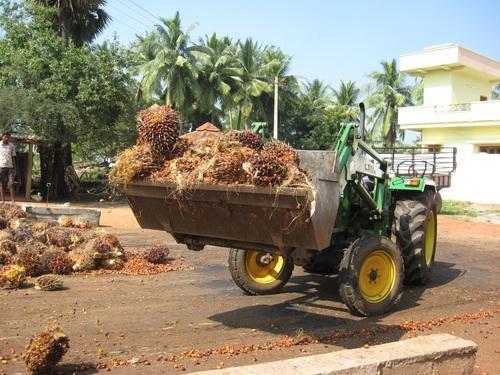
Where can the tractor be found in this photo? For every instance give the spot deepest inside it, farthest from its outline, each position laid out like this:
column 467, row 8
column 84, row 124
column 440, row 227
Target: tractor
column 374, row 229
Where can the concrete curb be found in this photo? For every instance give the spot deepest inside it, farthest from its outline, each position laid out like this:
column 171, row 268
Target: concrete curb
column 434, row 354
column 53, row 213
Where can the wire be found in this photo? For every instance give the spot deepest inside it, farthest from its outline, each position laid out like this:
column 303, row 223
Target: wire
column 135, row 11
column 126, row 24
column 145, row 10
column 129, row 16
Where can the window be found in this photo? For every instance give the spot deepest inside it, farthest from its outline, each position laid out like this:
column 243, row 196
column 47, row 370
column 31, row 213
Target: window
column 434, row 148
column 490, row 149
column 483, row 98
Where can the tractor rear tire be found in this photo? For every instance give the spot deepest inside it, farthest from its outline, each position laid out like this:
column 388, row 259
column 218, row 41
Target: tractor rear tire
column 371, row 275
column 415, row 231
column 257, row 272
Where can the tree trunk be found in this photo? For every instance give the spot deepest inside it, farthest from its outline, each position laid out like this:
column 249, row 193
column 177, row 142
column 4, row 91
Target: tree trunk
column 54, row 159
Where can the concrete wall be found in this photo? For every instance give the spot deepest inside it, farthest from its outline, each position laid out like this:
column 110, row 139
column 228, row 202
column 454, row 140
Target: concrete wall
column 443, row 87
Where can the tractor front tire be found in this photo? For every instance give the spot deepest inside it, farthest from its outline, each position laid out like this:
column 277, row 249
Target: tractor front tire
column 415, row 231
column 258, row 272
column 371, row 275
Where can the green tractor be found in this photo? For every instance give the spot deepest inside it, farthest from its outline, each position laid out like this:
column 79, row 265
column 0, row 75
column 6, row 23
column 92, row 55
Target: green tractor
column 373, row 229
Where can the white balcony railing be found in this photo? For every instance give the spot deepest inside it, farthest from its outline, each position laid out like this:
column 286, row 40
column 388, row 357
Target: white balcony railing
column 462, row 114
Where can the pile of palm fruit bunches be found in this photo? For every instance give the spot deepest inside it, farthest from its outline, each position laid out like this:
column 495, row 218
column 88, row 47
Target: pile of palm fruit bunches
column 30, row 247
column 234, row 157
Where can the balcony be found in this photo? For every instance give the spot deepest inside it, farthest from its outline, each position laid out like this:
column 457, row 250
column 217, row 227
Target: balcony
column 463, row 114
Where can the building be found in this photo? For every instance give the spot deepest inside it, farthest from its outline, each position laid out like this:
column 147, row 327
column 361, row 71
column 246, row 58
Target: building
column 458, row 111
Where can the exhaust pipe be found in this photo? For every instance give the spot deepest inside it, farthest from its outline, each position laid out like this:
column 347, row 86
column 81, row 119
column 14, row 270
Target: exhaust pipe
column 362, row 121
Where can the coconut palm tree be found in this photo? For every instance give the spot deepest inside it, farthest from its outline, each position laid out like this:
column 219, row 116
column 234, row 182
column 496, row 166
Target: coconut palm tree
column 168, row 67
column 254, row 80
column 219, row 75
column 387, row 92
column 347, row 94
column 80, row 21
column 317, row 93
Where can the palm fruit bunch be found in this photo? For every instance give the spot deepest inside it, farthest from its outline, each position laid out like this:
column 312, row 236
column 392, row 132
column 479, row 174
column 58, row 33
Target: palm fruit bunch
column 180, row 148
column 267, row 170
column 45, row 350
column 5, row 257
column 157, row 254
column 60, row 237
column 134, row 163
column 8, row 246
column 82, row 222
column 57, row 261
column 83, row 260
column 106, row 251
column 65, row 221
column 30, row 258
column 6, row 235
column 228, row 167
column 246, row 138
column 23, row 234
column 158, row 127
column 49, row 283
column 281, row 151
column 12, row 277
column 11, row 211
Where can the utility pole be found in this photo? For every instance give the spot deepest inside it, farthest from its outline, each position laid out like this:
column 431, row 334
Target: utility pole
column 275, row 125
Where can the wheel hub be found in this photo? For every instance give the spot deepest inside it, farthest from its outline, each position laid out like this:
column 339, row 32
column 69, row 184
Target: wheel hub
column 377, row 276
column 264, row 267
column 373, row 275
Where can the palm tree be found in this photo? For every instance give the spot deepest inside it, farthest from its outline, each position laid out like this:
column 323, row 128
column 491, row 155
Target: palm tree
column 219, row 75
column 80, row 21
column 168, row 66
column 347, row 94
column 254, row 80
column 387, row 92
column 317, row 94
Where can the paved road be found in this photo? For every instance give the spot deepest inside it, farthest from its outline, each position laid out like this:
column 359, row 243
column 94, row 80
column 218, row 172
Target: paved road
column 143, row 319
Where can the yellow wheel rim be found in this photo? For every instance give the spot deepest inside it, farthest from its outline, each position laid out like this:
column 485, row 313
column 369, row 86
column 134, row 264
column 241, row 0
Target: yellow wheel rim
column 430, row 237
column 377, row 276
column 263, row 267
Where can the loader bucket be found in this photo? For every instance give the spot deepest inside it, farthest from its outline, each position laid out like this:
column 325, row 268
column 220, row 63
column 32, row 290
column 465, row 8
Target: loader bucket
column 242, row 216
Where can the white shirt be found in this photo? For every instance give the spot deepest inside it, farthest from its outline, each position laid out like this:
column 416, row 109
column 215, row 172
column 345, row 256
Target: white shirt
column 7, row 152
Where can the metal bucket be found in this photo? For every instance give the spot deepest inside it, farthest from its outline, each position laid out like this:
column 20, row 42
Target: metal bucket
column 242, row 216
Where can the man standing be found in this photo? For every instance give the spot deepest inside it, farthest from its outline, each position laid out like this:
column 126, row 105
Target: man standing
column 7, row 163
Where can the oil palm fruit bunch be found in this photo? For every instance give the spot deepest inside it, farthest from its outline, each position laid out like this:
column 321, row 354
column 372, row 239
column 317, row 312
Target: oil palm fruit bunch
column 267, row 170
column 49, row 283
column 5, row 257
column 83, row 259
column 281, row 151
column 8, row 246
column 12, row 277
column 65, row 221
column 228, row 168
column 30, row 258
column 135, row 162
column 82, row 222
column 58, row 236
column 45, row 350
column 113, row 264
column 157, row 254
column 6, row 235
column 57, row 261
column 158, row 127
column 246, row 138
column 180, row 147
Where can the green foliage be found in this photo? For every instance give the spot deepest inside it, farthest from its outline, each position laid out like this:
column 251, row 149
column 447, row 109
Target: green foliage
column 451, row 207
column 66, row 94
column 387, row 92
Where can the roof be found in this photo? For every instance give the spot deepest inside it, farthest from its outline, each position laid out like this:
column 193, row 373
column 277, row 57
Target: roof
column 447, row 57
column 207, row 130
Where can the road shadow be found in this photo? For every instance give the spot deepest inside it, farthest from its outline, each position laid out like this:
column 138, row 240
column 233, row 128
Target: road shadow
column 85, row 368
column 318, row 311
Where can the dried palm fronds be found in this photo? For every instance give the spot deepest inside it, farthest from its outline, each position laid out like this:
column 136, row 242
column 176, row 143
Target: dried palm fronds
column 136, row 162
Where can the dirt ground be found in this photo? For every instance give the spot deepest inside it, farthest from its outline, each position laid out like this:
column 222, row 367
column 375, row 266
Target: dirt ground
column 186, row 321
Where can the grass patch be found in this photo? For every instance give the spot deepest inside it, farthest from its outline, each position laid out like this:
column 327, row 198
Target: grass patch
column 451, row 207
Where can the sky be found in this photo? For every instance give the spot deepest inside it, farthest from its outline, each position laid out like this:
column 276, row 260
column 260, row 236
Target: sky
column 328, row 40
